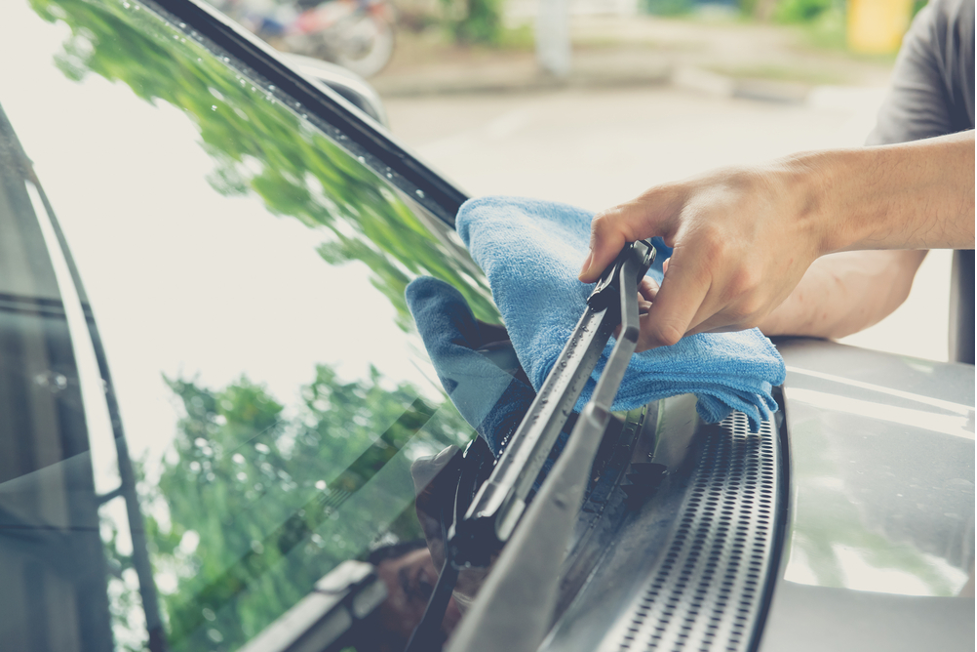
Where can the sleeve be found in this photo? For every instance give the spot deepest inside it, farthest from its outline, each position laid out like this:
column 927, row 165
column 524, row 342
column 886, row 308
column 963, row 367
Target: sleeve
column 932, row 92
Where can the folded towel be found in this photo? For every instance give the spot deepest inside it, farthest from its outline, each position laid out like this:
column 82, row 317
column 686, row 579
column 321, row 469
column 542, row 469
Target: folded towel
column 531, row 251
column 491, row 400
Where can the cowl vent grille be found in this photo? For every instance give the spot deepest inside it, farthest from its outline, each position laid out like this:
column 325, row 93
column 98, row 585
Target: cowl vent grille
column 708, row 589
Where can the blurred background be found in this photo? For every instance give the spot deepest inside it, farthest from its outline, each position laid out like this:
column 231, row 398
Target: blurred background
column 589, row 102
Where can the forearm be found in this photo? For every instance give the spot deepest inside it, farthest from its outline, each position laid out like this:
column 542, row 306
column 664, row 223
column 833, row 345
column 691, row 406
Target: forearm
column 917, row 195
column 844, row 293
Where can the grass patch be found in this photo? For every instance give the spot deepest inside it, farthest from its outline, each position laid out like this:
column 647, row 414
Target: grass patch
column 519, row 37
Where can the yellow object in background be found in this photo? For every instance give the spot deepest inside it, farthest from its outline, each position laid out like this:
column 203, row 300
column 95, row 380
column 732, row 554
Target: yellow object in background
column 877, row 26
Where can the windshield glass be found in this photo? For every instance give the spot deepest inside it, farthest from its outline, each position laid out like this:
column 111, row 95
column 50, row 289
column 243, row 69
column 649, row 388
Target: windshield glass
column 246, row 267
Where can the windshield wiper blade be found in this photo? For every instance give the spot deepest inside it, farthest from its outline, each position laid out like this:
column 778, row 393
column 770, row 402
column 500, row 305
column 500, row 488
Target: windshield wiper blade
column 514, row 607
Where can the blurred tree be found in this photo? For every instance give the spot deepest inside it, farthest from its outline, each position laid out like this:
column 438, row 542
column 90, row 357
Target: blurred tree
column 474, row 21
column 668, row 7
column 802, row 11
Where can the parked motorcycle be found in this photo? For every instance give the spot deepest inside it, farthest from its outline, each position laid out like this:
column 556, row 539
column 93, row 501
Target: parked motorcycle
column 356, row 34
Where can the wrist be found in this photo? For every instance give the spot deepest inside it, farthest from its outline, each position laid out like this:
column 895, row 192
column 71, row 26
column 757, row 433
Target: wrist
column 806, row 182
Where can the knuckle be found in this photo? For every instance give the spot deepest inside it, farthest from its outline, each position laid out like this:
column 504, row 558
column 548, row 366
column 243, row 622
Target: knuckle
column 743, row 284
column 668, row 333
column 712, row 245
column 605, row 221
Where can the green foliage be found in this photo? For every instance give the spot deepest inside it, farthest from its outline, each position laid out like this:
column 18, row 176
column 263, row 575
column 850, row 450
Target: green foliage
column 474, row 21
column 802, row 11
column 829, row 29
column 667, row 7
column 260, row 146
column 274, row 502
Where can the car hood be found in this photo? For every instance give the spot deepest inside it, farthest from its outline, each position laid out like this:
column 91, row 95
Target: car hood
column 879, row 539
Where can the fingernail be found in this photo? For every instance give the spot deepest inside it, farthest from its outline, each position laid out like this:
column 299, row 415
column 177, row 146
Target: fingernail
column 586, row 263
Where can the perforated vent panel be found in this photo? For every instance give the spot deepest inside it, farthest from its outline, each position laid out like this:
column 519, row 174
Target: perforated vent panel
column 707, row 590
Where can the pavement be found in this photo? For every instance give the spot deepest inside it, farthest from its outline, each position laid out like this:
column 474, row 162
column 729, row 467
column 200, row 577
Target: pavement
column 721, row 56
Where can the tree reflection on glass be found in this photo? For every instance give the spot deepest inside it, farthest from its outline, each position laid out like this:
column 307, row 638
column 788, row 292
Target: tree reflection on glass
column 259, row 146
column 253, row 506
column 257, row 500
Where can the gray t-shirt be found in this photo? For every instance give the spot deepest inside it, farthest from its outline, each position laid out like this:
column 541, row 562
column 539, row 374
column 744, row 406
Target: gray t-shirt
column 932, row 95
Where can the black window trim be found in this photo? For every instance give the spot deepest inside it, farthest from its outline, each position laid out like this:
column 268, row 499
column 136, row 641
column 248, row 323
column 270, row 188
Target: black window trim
column 436, row 194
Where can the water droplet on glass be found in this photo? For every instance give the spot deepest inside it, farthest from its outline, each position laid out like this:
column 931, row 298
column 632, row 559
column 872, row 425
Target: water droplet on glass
column 320, row 485
column 227, row 60
column 60, row 381
column 389, row 175
column 214, row 635
column 126, row 5
column 419, row 193
column 305, row 116
column 199, row 60
column 208, row 614
column 213, row 107
column 243, row 82
column 271, row 87
column 253, row 89
column 361, row 159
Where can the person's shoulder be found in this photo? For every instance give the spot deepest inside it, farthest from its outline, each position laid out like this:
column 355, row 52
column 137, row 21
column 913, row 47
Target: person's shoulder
column 954, row 18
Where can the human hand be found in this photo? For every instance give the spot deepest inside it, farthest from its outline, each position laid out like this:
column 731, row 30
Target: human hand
column 742, row 239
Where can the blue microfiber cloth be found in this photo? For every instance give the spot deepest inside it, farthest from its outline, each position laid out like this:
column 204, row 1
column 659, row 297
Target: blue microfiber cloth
column 490, row 400
column 531, row 252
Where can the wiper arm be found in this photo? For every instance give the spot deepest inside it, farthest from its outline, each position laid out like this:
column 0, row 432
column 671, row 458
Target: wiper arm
column 514, row 606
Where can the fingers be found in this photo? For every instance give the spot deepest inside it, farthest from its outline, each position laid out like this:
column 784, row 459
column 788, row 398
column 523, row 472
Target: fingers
column 647, row 289
column 608, row 235
column 649, row 215
column 678, row 299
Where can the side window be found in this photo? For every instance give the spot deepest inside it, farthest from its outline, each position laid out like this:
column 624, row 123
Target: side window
column 246, row 269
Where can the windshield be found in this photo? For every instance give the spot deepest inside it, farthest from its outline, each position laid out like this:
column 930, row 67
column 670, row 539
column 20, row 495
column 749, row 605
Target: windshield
column 245, row 265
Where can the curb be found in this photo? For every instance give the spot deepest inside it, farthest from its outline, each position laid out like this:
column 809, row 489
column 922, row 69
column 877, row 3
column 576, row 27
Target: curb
column 591, row 72
column 763, row 90
column 536, row 81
